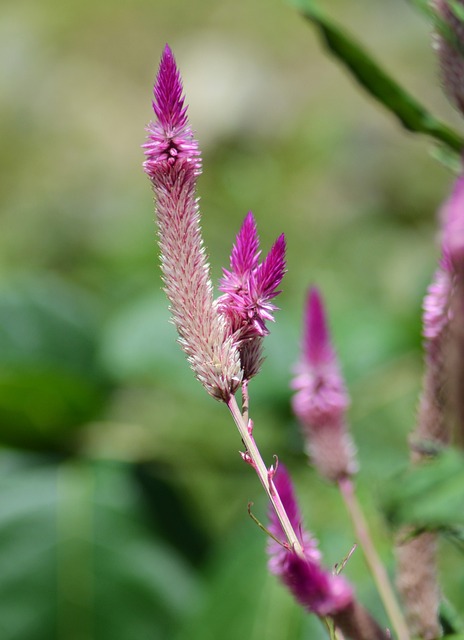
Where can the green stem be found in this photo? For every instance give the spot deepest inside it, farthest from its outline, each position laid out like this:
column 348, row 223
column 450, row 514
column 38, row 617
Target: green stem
column 373, row 560
column 264, row 476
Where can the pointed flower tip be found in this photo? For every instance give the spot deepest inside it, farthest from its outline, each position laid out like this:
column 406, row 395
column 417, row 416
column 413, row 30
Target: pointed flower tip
column 170, row 140
column 317, row 345
column 245, row 252
column 169, row 101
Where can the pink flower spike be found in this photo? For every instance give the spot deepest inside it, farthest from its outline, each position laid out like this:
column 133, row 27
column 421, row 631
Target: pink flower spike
column 248, row 290
column 284, row 488
column 172, row 164
column 315, row 588
column 452, row 215
column 321, row 399
column 170, row 139
column 436, row 304
column 316, row 342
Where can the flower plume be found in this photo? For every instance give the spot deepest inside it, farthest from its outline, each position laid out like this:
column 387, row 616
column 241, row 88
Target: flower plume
column 314, row 587
column 321, row 400
column 249, row 287
column 173, row 164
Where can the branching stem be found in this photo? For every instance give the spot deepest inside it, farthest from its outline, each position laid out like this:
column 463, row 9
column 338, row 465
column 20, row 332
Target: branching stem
column 264, row 475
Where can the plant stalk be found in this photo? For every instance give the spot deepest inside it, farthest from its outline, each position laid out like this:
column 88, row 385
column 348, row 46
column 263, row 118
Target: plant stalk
column 373, row 560
column 264, row 475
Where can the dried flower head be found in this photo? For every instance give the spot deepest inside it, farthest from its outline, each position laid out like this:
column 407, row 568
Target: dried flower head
column 173, row 164
column 321, row 399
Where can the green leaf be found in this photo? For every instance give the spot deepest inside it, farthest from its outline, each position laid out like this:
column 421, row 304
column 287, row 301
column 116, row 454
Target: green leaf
column 413, row 116
column 450, row 619
column 78, row 558
column 429, row 495
column 50, row 381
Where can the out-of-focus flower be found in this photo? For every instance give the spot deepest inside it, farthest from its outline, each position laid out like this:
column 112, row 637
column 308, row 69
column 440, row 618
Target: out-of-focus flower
column 321, row 399
column 315, row 588
column 450, row 48
column 173, row 163
column 249, row 287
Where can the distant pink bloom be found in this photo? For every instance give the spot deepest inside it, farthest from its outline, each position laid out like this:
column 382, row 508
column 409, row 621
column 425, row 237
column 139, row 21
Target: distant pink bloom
column 436, row 303
column 321, row 399
column 249, row 287
column 452, row 218
column 173, row 164
column 315, row 588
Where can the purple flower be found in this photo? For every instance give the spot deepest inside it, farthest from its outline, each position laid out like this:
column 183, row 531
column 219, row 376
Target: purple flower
column 321, row 399
column 170, row 139
column 249, row 288
column 452, row 217
column 436, row 314
column 173, row 163
column 315, row 588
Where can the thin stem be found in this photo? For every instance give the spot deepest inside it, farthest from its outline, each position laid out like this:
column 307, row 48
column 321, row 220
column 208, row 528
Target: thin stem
column 264, row 475
column 373, row 560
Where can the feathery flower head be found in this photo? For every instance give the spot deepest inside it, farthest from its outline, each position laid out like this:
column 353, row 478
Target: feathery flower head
column 314, row 588
column 250, row 286
column 172, row 164
column 170, row 139
column 321, row 399
column 450, row 48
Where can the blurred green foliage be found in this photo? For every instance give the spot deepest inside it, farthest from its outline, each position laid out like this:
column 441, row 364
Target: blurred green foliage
column 123, row 498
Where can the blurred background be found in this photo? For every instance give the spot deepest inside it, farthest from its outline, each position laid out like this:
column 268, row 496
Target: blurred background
column 123, row 500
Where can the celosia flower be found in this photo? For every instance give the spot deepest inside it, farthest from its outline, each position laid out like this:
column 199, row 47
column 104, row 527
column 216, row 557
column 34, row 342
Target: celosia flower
column 315, row 588
column 452, row 219
column 173, row 164
column 321, row 400
column 450, row 48
column 452, row 215
column 249, row 287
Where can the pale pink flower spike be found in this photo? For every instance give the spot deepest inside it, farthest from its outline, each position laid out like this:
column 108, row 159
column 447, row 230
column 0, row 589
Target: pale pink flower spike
column 173, row 164
column 321, row 399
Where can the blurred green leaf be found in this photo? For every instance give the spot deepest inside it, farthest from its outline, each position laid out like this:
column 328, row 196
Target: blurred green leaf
column 450, row 619
column 429, row 495
column 78, row 558
column 49, row 378
column 379, row 84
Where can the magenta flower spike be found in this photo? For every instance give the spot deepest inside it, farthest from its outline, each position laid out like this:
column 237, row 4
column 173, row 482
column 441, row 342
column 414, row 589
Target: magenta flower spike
column 170, row 139
column 248, row 288
column 321, row 399
column 314, row 587
column 173, row 163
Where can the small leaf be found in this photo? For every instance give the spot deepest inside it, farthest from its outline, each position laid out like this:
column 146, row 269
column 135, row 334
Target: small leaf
column 429, row 495
column 412, row 115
